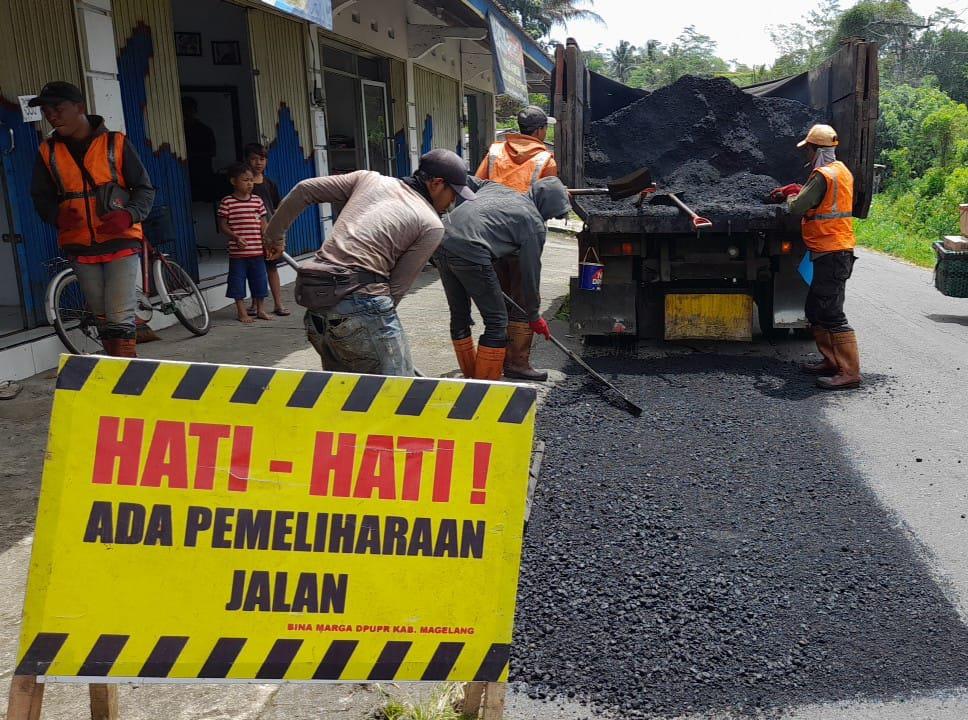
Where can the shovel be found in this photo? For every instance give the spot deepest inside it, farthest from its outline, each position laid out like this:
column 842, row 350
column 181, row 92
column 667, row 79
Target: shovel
column 636, row 183
column 698, row 222
column 626, row 404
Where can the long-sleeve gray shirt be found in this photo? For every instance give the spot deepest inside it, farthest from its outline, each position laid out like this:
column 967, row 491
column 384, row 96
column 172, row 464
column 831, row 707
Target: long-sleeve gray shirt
column 385, row 227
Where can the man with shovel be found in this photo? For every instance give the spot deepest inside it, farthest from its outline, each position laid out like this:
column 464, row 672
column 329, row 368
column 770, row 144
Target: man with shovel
column 501, row 223
column 384, row 236
column 826, row 203
column 518, row 163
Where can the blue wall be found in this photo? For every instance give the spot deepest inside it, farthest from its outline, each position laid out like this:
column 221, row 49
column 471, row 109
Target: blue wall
column 167, row 172
column 288, row 165
column 39, row 244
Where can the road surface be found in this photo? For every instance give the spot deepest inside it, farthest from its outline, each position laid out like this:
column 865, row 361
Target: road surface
column 901, row 439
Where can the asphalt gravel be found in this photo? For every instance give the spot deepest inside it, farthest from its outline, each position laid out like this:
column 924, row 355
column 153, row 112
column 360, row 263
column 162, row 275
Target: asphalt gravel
column 705, row 138
column 718, row 554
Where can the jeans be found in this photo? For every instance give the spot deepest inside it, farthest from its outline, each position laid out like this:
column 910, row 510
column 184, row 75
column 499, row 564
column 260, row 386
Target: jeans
column 828, row 291
column 464, row 281
column 110, row 289
column 252, row 269
column 361, row 335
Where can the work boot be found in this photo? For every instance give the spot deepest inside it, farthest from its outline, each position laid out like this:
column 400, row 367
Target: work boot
column 127, row 348
column 517, row 364
column 847, row 358
column 490, row 363
column 466, row 356
column 827, row 366
column 110, row 346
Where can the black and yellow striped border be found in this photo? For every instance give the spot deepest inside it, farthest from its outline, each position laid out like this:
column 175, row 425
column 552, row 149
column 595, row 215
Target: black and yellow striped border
column 218, row 664
column 135, row 380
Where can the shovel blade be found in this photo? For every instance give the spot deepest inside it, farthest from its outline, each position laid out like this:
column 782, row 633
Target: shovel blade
column 631, row 185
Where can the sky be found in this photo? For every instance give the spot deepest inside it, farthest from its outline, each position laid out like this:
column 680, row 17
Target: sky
column 740, row 28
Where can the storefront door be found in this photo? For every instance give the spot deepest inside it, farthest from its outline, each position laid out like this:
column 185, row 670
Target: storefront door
column 375, row 126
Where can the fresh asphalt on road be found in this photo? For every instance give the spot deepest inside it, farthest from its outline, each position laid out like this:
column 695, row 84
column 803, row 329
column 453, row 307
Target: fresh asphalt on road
column 742, row 480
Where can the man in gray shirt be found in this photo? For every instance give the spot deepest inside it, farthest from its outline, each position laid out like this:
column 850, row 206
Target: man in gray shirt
column 500, row 223
column 385, row 234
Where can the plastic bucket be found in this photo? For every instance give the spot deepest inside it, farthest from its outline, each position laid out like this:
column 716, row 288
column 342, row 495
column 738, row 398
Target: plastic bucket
column 591, row 274
column 964, row 219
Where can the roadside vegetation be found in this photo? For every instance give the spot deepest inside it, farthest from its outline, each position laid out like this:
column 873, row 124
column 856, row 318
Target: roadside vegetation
column 442, row 704
column 922, row 136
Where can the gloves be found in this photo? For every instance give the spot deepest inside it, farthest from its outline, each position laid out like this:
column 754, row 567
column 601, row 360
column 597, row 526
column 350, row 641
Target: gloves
column 69, row 218
column 780, row 194
column 116, row 221
column 540, row 327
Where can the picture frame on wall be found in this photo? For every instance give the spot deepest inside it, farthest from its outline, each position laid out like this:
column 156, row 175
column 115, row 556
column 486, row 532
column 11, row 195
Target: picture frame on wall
column 188, row 44
column 226, row 52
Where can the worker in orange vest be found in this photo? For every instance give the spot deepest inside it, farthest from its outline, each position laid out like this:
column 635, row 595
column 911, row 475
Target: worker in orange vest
column 90, row 184
column 826, row 203
column 519, row 162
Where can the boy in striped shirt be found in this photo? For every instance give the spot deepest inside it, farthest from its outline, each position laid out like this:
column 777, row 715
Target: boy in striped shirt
column 242, row 218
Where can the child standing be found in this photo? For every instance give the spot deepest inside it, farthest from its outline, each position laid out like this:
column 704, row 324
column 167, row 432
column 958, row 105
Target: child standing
column 242, row 218
column 257, row 157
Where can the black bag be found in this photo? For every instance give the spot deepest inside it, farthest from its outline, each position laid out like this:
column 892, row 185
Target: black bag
column 321, row 286
column 107, row 197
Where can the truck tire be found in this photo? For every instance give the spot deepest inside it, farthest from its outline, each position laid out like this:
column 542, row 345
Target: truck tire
column 764, row 308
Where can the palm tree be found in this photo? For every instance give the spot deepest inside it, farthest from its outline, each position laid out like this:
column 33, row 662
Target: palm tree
column 561, row 12
column 539, row 16
column 622, row 60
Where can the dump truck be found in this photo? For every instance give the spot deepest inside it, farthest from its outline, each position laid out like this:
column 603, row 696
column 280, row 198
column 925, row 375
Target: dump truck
column 661, row 277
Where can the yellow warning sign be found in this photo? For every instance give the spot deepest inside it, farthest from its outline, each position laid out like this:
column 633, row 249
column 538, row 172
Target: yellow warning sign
column 205, row 521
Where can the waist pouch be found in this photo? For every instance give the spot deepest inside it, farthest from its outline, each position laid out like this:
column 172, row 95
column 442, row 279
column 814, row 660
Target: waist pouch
column 321, row 286
column 110, row 197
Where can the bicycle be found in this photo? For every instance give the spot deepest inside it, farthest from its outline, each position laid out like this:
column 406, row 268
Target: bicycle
column 177, row 294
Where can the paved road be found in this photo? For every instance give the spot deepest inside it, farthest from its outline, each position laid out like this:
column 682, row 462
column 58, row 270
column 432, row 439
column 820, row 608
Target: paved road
column 914, row 345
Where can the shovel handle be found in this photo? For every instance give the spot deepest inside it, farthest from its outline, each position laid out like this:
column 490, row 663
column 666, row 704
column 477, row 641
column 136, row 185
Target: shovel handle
column 697, row 222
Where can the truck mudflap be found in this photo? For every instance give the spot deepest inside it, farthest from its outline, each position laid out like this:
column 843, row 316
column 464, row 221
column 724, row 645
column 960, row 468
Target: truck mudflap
column 609, row 311
column 789, row 293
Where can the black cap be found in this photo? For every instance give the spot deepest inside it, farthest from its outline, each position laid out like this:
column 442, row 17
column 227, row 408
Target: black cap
column 57, row 91
column 449, row 167
column 533, row 118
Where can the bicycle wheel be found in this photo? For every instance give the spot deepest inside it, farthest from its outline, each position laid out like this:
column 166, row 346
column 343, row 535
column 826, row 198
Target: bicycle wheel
column 180, row 295
column 75, row 325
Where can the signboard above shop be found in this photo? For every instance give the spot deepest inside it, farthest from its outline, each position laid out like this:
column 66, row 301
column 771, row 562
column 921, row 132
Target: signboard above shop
column 508, row 60
column 319, row 12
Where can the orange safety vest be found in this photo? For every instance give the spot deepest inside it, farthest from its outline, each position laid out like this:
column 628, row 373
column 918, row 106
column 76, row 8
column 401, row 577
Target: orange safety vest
column 103, row 162
column 501, row 168
column 829, row 227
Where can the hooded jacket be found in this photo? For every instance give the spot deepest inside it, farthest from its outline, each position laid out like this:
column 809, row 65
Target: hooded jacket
column 68, row 155
column 503, row 222
column 518, row 162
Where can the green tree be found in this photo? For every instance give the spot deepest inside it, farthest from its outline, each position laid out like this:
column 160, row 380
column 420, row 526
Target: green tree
column 622, row 60
column 537, row 17
column 895, row 26
column 804, row 44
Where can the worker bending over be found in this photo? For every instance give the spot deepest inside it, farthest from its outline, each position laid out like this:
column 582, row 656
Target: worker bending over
column 501, row 223
column 385, row 234
column 826, row 203
column 519, row 162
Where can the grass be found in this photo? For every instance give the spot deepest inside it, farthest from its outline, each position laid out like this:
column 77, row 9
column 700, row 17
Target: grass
column 441, row 705
column 881, row 231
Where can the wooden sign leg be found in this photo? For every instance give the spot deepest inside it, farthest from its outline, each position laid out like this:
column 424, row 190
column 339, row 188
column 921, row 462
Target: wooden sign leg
column 473, row 696
column 494, row 695
column 104, row 701
column 26, row 698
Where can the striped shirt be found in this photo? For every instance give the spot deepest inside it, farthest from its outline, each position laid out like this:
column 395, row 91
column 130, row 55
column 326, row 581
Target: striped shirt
column 244, row 218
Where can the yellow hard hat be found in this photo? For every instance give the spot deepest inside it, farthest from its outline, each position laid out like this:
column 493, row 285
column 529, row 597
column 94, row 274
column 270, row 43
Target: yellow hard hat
column 822, row 136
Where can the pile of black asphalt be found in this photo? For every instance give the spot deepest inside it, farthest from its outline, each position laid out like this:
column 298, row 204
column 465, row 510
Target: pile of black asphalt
column 704, row 138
